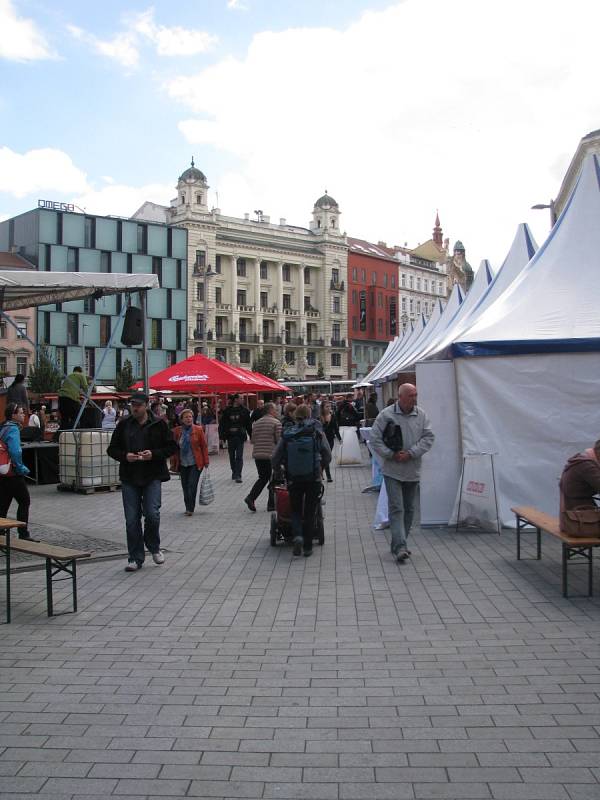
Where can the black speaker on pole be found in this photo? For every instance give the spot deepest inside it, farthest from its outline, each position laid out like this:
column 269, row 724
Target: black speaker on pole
column 132, row 327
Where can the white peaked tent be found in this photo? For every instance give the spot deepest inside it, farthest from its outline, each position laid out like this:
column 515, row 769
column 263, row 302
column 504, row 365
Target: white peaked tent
column 436, row 381
column 367, row 380
column 435, row 329
column 387, row 372
column 527, row 369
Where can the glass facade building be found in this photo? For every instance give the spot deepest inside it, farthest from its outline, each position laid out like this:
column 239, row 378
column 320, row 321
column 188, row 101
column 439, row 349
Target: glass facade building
column 77, row 332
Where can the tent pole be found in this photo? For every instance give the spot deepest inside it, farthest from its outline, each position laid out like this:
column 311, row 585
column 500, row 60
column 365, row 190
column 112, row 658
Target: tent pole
column 143, row 303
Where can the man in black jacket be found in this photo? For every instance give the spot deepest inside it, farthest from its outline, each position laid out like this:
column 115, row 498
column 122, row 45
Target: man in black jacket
column 142, row 444
column 234, row 427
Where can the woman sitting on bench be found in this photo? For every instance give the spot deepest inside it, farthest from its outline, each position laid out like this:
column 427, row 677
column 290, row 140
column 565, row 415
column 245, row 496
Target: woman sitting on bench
column 579, row 482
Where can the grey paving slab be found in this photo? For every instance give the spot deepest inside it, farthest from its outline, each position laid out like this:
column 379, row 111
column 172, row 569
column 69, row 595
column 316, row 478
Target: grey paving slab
column 237, row 671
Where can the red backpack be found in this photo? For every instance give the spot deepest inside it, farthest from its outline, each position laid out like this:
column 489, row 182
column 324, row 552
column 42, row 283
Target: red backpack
column 5, row 462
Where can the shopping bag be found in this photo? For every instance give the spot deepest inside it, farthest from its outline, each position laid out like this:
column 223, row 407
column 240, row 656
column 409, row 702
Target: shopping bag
column 206, row 494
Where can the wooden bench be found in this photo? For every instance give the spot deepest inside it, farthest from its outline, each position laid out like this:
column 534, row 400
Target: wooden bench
column 58, row 559
column 576, row 550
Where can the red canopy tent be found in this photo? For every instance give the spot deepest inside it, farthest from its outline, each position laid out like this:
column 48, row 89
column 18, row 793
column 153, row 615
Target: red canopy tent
column 198, row 374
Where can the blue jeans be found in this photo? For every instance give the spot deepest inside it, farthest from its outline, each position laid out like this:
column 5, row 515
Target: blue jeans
column 189, row 483
column 235, row 445
column 141, row 501
column 401, row 507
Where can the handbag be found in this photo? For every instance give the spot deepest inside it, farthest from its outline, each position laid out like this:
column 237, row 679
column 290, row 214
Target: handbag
column 581, row 522
column 392, row 437
column 206, row 494
column 5, row 461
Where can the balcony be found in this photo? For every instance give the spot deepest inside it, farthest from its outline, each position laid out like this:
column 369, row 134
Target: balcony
column 225, row 337
column 272, row 340
column 296, row 341
column 249, row 338
column 223, row 306
column 198, row 333
column 245, row 308
column 291, row 312
column 312, row 312
column 338, row 342
column 268, row 309
column 338, row 286
column 315, row 342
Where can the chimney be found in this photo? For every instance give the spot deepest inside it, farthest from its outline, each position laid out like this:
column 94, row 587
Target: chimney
column 247, row 217
column 282, row 221
column 266, row 218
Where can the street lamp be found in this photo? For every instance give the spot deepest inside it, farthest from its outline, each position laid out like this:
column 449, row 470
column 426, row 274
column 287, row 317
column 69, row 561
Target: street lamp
column 208, row 273
column 550, row 205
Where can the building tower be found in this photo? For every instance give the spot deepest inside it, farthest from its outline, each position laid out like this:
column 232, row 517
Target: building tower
column 437, row 232
column 192, row 192
column 326, row 216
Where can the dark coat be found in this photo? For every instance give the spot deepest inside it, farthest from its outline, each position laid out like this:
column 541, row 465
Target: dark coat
column 235, row 423
column 579, row 482
column 157, row 437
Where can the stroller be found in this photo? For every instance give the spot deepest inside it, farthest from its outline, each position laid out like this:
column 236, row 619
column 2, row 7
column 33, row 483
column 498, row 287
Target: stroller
column 281, row 518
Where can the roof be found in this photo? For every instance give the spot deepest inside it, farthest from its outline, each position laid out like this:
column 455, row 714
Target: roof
column 365, row 248
column 192, row 174
column 14, row 261
column 429, row 250
column 326, row 201
column 25, row 288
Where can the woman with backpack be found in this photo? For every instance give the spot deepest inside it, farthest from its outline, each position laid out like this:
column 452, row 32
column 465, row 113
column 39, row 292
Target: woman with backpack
column 331, row 431
column 12, row 482
column 303, row 451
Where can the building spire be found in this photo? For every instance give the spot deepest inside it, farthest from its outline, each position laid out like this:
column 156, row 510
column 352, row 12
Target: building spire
column 193, row 161
column 437, row 230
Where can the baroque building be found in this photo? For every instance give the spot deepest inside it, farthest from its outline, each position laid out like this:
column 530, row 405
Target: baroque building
column 260, row 288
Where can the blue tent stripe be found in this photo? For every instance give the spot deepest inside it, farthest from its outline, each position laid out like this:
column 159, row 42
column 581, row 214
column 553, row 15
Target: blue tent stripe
column 524, row 347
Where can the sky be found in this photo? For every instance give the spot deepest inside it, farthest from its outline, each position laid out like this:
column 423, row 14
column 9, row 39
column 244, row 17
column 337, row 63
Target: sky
column 397, row 109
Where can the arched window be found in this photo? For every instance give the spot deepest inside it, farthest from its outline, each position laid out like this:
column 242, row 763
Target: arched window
column 318, row 223
column 199, row 199
column 182, row 199
column 333, row 223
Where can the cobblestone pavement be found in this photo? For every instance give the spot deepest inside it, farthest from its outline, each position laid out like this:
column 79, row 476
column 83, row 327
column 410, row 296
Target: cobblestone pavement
column 237, row 671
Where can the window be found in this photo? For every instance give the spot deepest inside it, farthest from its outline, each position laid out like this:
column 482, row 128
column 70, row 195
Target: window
column 307, row 305
column 411, row 282
column 72, row 259
column 22, row 365
column 440, row 290
column 403, row 279
column 311, row 358
column 200, row 292
column 72, row 329
column 157, row 267
column 354, row 296
column 333, row 223
column 286, row 272
column 218, row 295
column 290, row 357
column 89, row 307
column 363, row 276
column 104, row 330
column 380, row 299
column 156, row 334
column 411, row 305
column 336, row 306
column 198, row 199
column 264, row 300
column 335, row 275
column 221, row 353
column 3, row 365
column 219, row 326
column 418, row 306
column 335, row 331
column 171, row 358
column 90, row 361
column 306, row 274
column 243, row 330
column 241, row 267
column 200, row 259
column 354, row 274
column 379, row 326
column 354, row 323
column 61, row 358
column 264, row 271
column 3, row 329
column 265, row 329
column 310, row 333
column 21, row 329
column 105, row 262
column 218, row 264
column 385, row 279
column 418, row 284
column 89, row 235
column 241, row 297
column 268, row 355
column 336, row 359
column 393, row 281
column 425, row 284
column 45, row 327
column 244, row 355
column 374, row 278
column 287, row 301
column 142, row 238
column 404, row 304
column 129, row 263
column 179, row 334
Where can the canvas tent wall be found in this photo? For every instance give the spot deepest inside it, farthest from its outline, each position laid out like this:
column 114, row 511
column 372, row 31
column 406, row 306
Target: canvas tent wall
column 527, row 370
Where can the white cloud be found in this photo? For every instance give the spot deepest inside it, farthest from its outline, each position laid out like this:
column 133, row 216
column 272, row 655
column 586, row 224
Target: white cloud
column 174, row 41
column 464, row 106
column 122, row 200
column 37, row 171
column 20, row 38
column 236, row 5
column 122, row 48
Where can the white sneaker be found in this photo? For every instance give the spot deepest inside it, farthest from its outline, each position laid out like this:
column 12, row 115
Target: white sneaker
column 132, row 566
column 158, row 557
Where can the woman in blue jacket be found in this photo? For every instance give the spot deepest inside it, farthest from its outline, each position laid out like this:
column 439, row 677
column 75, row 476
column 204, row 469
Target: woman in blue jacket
column 13, row 486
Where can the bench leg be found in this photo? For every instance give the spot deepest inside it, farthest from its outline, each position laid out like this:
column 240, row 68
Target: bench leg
column 74, row 576
column 590, row 572
column 49, row 602
column 539, row 544
column 518, row 537
column 7, row 565
column 565, row 556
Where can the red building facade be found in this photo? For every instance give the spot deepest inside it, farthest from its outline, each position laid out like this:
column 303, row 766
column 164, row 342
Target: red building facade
column 372, row 304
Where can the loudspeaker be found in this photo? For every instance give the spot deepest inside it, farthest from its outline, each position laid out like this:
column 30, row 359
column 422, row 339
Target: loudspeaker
column 132, row 327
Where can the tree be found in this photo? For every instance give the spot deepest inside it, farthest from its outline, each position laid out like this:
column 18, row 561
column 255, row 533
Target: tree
column 320, row 371
column 124, row 377
column 265, row 366
column 45, row 376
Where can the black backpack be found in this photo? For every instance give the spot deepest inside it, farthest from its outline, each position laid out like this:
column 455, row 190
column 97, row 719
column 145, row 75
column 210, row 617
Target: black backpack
column 392, row 437
column 302, row 453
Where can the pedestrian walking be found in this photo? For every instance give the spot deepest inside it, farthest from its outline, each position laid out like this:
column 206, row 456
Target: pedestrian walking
column 258, row 412
column 288, row 419
column 331, row 431
column 191, row 459
column 109, row 416
column 266, row 433
column 13, row 485
column 401, row 435
column 142, row 443
column 234, row 428
column 17, row 393
column 371, row 410
column 303, row 450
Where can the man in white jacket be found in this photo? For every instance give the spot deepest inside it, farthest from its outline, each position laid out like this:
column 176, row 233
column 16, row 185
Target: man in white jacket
column 401, row 435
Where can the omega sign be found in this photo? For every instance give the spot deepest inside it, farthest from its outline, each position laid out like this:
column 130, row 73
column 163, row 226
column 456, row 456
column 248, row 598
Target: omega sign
column 53, row 205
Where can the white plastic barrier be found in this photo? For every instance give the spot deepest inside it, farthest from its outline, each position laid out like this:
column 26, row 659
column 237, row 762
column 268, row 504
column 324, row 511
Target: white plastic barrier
column 349, row 453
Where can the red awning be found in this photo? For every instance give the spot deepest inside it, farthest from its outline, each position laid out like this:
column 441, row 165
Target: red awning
column 201, row 374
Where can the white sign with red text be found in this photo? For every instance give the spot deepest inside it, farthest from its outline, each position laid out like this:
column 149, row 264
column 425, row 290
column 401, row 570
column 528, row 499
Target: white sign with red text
column 476, row 503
